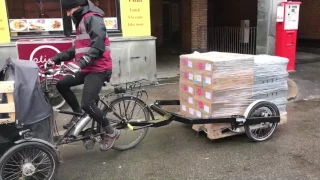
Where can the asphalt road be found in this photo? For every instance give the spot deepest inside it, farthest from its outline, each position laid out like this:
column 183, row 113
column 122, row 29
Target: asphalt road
column 175, row 152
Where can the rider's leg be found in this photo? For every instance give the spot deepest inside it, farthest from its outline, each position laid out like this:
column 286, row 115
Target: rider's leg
column 63, row 86
column 92, row 86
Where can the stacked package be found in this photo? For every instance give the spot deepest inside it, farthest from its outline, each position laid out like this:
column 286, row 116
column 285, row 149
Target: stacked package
column 217, row 84
column 270, row 82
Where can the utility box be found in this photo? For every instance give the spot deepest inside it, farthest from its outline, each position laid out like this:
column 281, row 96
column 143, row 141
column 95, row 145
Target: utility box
column 287, row 27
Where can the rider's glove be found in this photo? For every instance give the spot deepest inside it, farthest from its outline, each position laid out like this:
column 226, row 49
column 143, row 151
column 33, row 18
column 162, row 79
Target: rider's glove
column 79, row 64
column 50, row 62
column 56, row 59
column 74, row 66
column 84, row 61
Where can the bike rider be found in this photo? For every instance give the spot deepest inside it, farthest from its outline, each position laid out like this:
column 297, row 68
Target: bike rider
column 93, row 64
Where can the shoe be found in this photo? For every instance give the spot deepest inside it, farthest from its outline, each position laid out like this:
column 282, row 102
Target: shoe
column 73, row 120
column 108, row 140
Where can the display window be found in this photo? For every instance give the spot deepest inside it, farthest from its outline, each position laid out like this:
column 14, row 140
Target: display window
column 30, row 18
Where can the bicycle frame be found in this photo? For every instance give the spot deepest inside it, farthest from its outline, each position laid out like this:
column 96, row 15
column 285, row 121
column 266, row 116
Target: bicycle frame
column 105, row 107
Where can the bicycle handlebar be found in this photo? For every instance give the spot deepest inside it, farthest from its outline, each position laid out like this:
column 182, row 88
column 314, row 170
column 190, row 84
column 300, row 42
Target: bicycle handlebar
column 63, row 70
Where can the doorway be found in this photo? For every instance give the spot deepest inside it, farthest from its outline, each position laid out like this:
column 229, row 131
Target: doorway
column 171, row 10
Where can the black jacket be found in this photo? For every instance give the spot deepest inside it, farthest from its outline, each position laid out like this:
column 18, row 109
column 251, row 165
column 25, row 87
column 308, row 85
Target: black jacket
column 96, row 29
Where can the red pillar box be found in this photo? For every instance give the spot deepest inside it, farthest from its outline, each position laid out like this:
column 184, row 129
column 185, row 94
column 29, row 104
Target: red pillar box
column 287, row 28
column 41, row 50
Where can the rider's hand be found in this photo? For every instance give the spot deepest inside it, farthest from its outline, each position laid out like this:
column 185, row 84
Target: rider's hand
column 47, row 64
column 50, row 62
column 84, row 61
column 56, row 60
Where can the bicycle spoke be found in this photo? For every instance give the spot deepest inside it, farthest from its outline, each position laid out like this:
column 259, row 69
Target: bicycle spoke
column 43, row 169
column 38, row 155
column 44, row 159
column 124, row 105
column 15, row 160
column 14, row 175
column 120, row 109
column 9, row 168
column 36, row 177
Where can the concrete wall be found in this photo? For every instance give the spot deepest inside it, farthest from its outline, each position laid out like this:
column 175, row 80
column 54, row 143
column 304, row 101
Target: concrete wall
column 266, row 22
column 133, row 58
column 6, row 51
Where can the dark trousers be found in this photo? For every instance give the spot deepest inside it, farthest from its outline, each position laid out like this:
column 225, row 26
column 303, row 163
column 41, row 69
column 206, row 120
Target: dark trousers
column 92, row 85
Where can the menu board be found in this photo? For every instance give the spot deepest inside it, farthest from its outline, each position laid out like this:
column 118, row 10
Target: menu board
column 32, row 25
column 110, row 22
column 52, row 24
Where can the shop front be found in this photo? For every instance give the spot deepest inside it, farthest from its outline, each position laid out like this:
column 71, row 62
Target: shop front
column 36, row 30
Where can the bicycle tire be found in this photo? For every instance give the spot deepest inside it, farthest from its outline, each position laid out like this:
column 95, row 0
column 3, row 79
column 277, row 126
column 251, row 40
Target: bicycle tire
column 53, row 82
column 43, row 147
column 147, row 118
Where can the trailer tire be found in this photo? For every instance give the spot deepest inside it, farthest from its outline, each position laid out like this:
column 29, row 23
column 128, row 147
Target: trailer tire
column 273, row 111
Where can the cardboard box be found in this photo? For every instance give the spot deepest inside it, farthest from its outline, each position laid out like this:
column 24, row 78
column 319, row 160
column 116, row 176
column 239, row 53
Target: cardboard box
column 187, row 87
column 189, row 111
column 187, row 76
column 225, row 96
column 233, row 80
column 221, row 109
column 212, row 62
column 187, row 98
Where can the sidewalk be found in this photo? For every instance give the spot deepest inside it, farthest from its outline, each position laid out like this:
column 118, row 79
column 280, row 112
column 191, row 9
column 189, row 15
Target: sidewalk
column 307, row 76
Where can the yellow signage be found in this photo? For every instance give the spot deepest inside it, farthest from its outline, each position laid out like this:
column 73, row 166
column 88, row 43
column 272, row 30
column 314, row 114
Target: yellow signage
column 4, row 26
column 135, row 17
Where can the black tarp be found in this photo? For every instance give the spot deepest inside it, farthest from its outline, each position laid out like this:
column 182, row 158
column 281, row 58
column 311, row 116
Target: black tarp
column 32, row 110
column 30, row 103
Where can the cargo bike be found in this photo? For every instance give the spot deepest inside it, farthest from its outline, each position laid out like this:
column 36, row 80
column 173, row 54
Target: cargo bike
column 28, row 131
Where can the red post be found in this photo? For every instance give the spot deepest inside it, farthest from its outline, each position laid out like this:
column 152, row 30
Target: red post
column 286, row 31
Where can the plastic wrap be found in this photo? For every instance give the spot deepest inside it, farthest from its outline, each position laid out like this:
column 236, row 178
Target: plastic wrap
column 216, row 84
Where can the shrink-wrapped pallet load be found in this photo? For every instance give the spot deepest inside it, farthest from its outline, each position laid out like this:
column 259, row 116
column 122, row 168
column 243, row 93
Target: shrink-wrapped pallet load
column 221, row 84
column 217, row 84
column 271, row 79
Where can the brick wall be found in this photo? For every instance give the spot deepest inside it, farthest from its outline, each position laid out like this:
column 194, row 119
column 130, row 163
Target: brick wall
column 230, row 12
column 309, row 22
column 186, row 25
column 156, row 20
column 193, row 24
column 199, row 25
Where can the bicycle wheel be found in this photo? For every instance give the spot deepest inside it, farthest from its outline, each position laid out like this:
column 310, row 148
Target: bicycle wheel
column 263, row 131
column 126, row 107
column 30, row 161
column 55, row 99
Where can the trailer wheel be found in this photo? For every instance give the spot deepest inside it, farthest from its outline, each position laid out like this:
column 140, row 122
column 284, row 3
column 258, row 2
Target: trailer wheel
column 262, row 132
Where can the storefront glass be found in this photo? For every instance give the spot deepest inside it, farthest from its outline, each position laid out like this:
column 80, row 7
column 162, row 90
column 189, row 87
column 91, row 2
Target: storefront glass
column 30, row 18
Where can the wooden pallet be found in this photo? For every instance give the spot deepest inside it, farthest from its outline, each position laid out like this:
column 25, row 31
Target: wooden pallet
column 7, row 87
column 214, row 131
column 219, row 130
